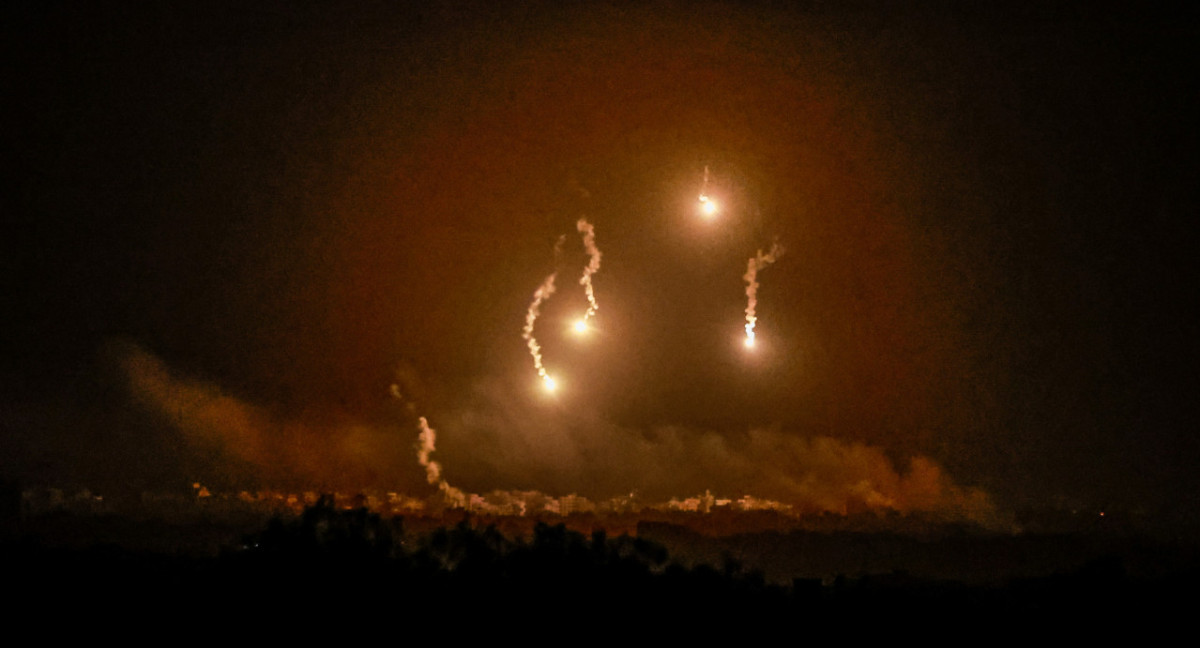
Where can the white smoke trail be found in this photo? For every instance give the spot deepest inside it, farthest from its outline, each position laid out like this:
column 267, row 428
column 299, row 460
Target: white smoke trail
column 540, row 295
column 589, row 244
column 757, row 262
column 426, row 444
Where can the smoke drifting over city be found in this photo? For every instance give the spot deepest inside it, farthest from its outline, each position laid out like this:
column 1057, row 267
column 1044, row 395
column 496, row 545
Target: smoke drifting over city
column 500, row 444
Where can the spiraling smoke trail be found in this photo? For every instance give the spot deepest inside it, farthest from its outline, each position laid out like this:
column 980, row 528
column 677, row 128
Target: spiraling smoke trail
column 589, row 244
column 540, row 295
column 757, row 262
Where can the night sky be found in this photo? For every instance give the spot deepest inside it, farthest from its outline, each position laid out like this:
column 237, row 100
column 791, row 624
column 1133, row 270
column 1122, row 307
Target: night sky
column 229, row 227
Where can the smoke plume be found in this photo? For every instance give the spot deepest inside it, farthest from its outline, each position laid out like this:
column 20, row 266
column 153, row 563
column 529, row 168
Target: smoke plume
column 251, row 443
column 499, row 441
column 535, row 350
column 426, row 443
column 515, row 444
column 540, row 295
column 757, row 262
column 589, row 244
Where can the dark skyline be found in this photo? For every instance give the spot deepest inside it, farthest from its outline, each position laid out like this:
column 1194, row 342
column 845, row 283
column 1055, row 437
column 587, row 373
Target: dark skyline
column 985, row 214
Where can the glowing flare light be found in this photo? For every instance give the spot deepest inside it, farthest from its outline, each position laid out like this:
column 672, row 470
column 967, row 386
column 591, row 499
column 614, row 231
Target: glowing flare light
column 708, row 207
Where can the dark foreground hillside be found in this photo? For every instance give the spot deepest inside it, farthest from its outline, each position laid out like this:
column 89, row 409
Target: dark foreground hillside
column 339, row 564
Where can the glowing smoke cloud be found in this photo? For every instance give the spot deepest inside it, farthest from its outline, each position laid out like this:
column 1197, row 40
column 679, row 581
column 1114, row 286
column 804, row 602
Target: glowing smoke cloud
column 540, row 295
column 757, row 262
column 589, row 244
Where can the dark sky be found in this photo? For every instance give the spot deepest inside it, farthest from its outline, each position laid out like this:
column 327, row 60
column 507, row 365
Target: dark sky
column 987, row 214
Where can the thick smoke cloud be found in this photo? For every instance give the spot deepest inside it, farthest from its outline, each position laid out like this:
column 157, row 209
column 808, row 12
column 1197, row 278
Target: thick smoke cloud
column 503, row 442
column 258, row 446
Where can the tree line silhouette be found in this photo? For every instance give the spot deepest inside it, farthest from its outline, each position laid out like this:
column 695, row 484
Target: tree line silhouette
column 331, row 563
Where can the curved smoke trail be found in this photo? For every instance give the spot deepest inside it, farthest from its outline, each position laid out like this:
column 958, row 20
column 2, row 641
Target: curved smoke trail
column 589, row 244
column 757, row 262
column 426, row 444
column 540, row 295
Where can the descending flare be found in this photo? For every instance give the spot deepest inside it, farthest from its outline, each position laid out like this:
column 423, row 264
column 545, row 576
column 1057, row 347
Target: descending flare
column 707, row 205
column 757, row 262
column 540, row 295
column 589, row 244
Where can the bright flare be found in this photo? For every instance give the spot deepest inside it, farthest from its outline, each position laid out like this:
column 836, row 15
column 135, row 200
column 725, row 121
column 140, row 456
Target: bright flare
column 707, row 206
column 549, row 383
column 750, row 340
column 581, row 326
